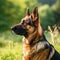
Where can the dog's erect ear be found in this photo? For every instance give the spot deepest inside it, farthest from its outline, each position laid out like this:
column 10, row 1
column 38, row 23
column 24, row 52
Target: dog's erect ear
column 37, row 21
column 35, row 15
column 35, row 11
column 27, row 12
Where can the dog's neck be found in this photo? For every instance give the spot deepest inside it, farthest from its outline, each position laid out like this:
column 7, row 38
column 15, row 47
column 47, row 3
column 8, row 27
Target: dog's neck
column 30, row 37
column 33, row 37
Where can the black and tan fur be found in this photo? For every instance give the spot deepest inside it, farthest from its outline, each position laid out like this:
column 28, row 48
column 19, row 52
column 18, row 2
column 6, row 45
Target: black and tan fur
column 35, row 45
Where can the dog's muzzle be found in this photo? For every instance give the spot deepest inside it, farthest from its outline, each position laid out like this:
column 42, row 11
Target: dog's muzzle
column 19, row 30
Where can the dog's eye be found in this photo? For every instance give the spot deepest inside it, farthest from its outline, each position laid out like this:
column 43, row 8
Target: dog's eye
column 30, row 22
column 23, row 21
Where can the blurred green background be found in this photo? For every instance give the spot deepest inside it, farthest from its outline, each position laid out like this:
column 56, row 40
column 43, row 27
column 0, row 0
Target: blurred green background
column 12, row 11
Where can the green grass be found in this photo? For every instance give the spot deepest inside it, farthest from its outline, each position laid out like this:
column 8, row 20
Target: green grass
column 11, row 46
column 13, row 51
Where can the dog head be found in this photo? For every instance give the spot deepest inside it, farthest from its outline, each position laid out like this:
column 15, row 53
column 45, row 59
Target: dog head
column 28, row 24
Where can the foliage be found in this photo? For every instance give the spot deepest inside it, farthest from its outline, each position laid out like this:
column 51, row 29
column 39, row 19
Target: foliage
column 10, row 47
column 11, row 12
column 8, row 13
column 56, row 6
column 56, row 43
column 56, row 9
column 12, row 51
column 46, row 16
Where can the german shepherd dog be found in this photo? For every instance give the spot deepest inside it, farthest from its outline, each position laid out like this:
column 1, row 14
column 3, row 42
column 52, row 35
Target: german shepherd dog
column 35, row 45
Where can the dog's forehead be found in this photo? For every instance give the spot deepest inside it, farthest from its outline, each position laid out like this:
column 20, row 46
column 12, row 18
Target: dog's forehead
column 26, row 18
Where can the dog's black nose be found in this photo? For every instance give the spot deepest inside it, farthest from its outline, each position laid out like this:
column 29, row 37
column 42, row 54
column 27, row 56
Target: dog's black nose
column 13, row 28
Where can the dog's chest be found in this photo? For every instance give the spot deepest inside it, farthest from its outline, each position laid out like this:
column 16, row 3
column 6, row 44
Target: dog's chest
column 41, row 56
column 26, row 49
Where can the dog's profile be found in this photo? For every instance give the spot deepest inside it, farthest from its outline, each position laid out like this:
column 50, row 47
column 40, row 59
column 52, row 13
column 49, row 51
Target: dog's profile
column 35, row 45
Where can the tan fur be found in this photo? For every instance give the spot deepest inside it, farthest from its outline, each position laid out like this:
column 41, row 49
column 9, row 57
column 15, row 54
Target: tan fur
column 41, row 56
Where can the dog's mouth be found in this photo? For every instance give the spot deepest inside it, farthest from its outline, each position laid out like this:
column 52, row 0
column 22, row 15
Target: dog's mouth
column 19, row 30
